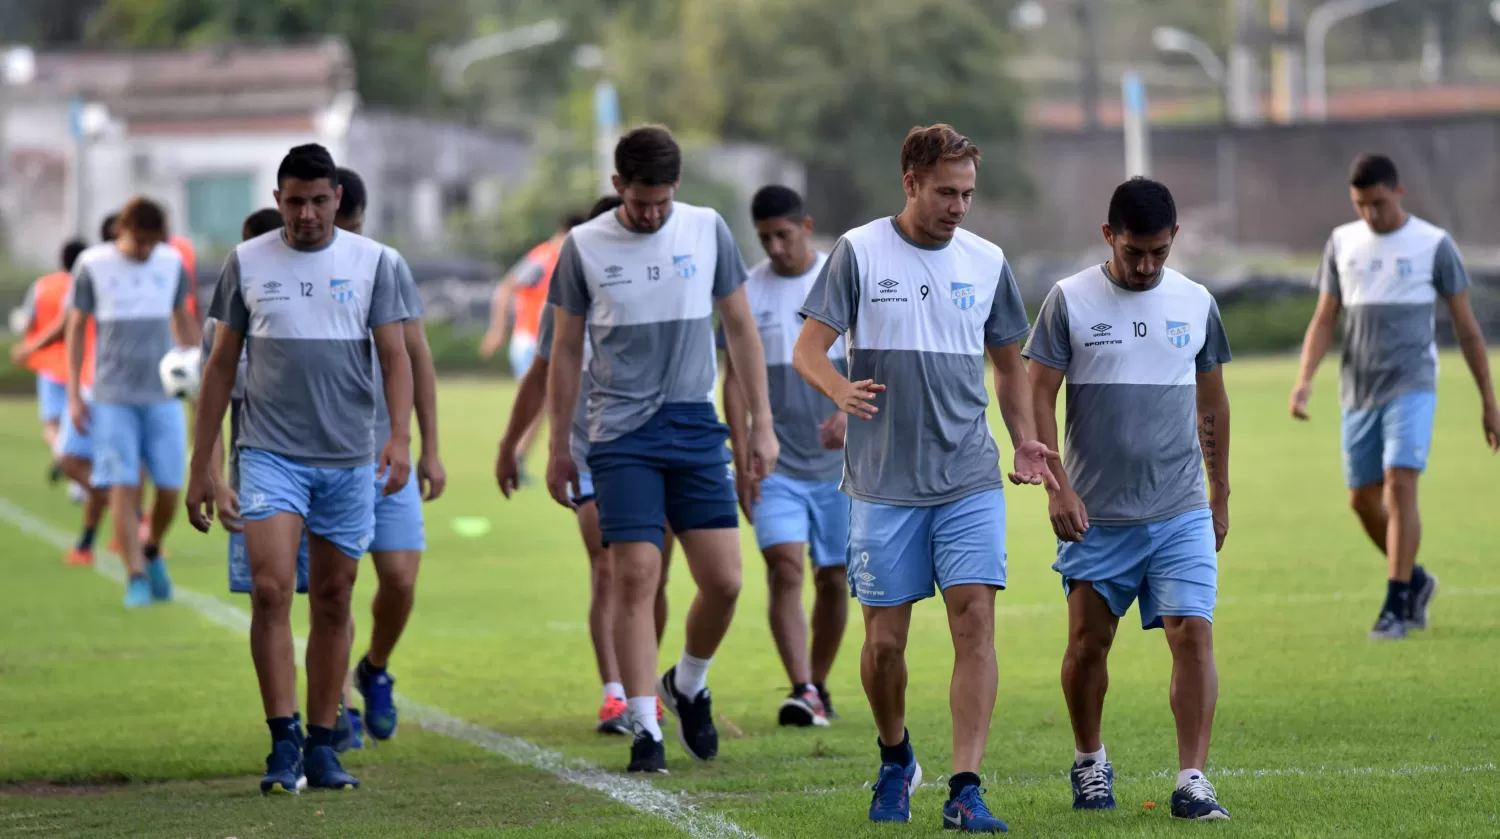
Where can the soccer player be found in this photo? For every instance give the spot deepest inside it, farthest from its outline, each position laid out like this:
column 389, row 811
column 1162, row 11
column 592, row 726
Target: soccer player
column 135, row 288
column 614, row 713
column 920, row 302
column 308, row 304
column 799, row 506
column 41, row 348
column 646, row 280
column 109, row 229
column 1141, row 348
column 1386, row 272
column 400, row 532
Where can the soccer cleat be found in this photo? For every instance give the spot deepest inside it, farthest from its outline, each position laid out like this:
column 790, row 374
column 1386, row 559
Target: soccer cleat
column 827, row 704
column 1389, row 627
column 647, row 754
column 969, row 814
column 893, row 788
column 1416, row 604
column 614, row 717
column 1196, row 800
column 1093, row 786
column 79, row 558
column 348, row 730
column 803, row 708
column 379, row 691
column 324, row 770
column 161, row 584
column 283, row 770
column 695, row 717
column 137, row 593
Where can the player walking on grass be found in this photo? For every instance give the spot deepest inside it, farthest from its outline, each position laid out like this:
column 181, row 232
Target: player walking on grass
column 645, row 281
column 1386, row 272
column 614, row 713
column 920, row 303
column 135, row 288
column 400, row 532
column 41, row 347
column 800, row 505
column 1141, row 348
column 307, row 303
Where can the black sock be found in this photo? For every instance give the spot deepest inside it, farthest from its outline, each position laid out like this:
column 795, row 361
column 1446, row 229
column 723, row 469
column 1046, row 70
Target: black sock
column 957, row 783
column 317, row 735
column 1396, row 594
column 900, row 753
column 369, row 669
column 1418, row 578
column 283, row 728
column 152, row 552
column 86, row 539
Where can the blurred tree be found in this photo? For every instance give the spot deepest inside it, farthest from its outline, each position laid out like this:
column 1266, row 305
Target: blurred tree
column 45, row 23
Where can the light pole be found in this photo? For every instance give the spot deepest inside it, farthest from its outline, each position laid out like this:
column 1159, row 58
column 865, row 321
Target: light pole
column 1319, row 22
column 455, row 61
column 606, row 114
column 1170, row 39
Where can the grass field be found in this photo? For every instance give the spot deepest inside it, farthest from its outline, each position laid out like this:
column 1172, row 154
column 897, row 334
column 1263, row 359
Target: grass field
column 149, row 725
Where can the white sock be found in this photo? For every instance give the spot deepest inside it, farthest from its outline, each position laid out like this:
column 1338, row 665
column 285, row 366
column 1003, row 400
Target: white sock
column 643, row 715
column 1187, row 775
column 614, row 690
column 1079, row 758
column 692, row 675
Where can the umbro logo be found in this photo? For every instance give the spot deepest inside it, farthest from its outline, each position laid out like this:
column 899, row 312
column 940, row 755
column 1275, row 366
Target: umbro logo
column 272, row 286
column 1101, row 328
column 888, row 285
column 613, row 271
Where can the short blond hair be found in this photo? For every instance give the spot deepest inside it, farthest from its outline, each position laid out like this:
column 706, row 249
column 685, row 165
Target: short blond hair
column 927, row 147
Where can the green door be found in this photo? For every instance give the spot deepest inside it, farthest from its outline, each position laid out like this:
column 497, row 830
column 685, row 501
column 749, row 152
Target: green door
column 216, row 208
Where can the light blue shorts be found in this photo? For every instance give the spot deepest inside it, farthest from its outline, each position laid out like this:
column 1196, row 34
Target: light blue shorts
column 1397, row 434
column 398, row 518
column 901, row 554
column 337, row 504
column 522, row 351
column 585, row 489
column 51, row 399
column 127, row 435
column 1170, row 566
column 811, row 512
column 74, row 443
column 239, row 565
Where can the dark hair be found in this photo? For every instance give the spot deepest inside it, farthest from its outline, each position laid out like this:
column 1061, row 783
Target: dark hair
column 308, row 163
column 70, row 251
column 261, row 222
column 927, row 147
column 648, row 156
column 1142, row 207
column 355, row 197
column 107, row 231
column 571, row 220
column 605, row 204
column 1373, row 170
column 142, row 215
column 776, row 202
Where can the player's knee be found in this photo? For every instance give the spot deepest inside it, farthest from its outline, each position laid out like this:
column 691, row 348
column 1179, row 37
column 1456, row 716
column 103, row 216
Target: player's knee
column 831, row 583
column 887, row 650
column 1400, row 486
column 1190, row 637
column 784, row 573
column 1090, row 645
column 329, row 599
column 1367, row 500
column 722, row 586
column 271, row 596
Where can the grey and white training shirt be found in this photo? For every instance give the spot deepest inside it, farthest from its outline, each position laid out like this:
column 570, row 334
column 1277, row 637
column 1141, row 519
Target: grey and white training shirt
column 578, row 439
column 133, row 303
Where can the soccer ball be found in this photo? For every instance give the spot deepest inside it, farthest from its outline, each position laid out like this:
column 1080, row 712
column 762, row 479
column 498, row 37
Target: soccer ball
column 180, row 370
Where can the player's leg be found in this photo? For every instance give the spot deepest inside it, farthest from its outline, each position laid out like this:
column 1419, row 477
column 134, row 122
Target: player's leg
column 968, row 557
column 783, row 526
column 76, row 458
column 400, row 537
column 614, row 714
column 164, row 446
column 522, row 352
column 829, row 549
column 1407, row 438
column 52, row 406
column 660, row 610
column 117, row 433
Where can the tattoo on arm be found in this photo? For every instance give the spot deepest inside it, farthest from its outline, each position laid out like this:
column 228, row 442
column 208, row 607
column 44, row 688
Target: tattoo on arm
column 1209, row 444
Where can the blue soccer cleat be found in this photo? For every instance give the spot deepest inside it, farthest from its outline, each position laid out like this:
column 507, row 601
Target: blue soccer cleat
column 1197, row 801
column 1420, row 599
column 138, row 593
column 893, row 788
column 969, row 814
column 1389, row 627
column 1093, row 785
column 379, row 691
column 161, row 584
column 283, row 770
column 324, row 770
column 348, row 731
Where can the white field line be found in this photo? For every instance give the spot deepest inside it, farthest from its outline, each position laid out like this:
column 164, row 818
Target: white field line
column 631, row 792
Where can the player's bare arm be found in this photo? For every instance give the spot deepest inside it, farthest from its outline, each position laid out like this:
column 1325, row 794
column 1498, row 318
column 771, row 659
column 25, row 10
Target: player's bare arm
column 564, row 378
column 737, row 417
column 226, row 500
column 499, row 316
column 395, row 365
column 431, row 476
column 1069, row 516
column 44, row 339
column 1213, row 439
column 742, row 344
column 1013, row 392
column 531, row 400
column 219, row 372
column 185, row 327
column 810, row 360
column 1471, row 343
column 1315, row 345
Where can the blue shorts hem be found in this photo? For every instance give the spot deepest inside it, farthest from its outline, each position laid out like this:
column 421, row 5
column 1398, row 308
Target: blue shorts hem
column 655, row 535
column 1181, row 613
column 974, row 581
column 892, row 602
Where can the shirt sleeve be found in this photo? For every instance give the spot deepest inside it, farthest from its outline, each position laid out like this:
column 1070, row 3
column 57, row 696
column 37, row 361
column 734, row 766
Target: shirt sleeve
column 1051, row 342
column 210, row 327
column 385, row 294
column 1007, row 321
column 1328, row 270
column 569, row 287
column 82, row 294
column 527, row 272
column 1449, row 276
column 1215, row 343
column 184, row 288
column 834, row 296
column 411, row 298
column 544, row 333
column 729, row 268
column 228, row 304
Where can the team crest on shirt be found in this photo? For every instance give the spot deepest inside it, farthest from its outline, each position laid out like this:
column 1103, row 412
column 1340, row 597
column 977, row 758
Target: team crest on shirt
column 963, row 296
column 685, row 266
column 1178, row 334
column 1403, row 268
column 343, row 290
